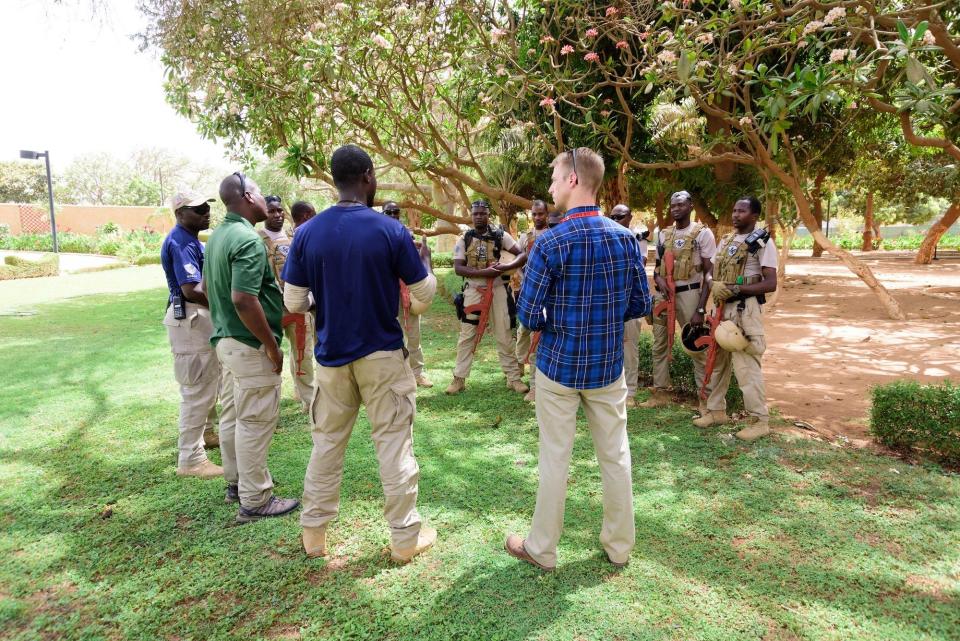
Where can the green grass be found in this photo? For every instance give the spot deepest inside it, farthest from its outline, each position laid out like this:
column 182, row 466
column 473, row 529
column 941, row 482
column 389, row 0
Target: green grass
column 100, row 540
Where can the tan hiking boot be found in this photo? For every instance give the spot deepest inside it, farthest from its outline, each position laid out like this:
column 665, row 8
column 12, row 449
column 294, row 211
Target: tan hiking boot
column 631, row 402
column 205, row 470
column 457, row 386
column 531, row 396
column 702, row 409
column 757, row 429
column 658, row 398
column 712, row 417
column 518, row 386
column 423, row 381
column 211, row 440
column 315, row 541
column 425, row 540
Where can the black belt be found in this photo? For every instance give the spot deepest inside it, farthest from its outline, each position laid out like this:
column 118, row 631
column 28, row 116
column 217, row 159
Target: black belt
column 686, row 288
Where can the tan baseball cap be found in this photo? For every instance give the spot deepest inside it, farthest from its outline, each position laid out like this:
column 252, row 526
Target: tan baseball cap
column 188, row 199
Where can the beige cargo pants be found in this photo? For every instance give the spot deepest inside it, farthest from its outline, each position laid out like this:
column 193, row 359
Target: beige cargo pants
column 251, row 401
column 606, row 413
column 384, row 383
column 498, row 325
column 631, row 355
column 302, row 385
column 686, row 307
column 197, row 370
column 524, row 338
column 745, row 365
column 411, row 338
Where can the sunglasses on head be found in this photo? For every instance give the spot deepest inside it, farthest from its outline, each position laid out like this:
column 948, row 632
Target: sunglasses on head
column 243, row 182
column 573, row 161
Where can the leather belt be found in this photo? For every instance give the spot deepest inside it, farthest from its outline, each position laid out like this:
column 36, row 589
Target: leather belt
column 687, row 288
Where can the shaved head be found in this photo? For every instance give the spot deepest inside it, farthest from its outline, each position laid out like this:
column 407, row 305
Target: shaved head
column 242, row 196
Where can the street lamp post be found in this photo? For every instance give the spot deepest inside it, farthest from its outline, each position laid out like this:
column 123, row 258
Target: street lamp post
column 33, row 155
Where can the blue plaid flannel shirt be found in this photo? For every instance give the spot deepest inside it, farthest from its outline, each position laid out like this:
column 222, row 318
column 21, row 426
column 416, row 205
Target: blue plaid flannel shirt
column 583, row 279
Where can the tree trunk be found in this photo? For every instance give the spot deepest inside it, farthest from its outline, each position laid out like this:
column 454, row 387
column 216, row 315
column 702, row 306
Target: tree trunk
column 877, row 238
column 867, row 244
column 773, row 218
column 613, row 192
column 852, row 263
column 818, row 209
column 704, row 215
column 786, row 240
column 929, row 245
column 660, row 209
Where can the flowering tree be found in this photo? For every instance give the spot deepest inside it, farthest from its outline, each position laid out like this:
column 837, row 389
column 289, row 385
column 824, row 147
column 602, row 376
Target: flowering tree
column 300, row 77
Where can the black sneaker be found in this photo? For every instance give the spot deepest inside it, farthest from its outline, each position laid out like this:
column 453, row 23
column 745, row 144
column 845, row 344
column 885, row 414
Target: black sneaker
column 273, row 507
column 232, row 495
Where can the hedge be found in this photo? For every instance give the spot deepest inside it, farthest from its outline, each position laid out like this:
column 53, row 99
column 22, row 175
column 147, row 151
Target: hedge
column 854, row 240
column 442, row 259
column 908, row 415
column 17, row 267
column 127, row 246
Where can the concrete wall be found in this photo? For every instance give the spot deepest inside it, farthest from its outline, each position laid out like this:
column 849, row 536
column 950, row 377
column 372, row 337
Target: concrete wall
column 81, row 219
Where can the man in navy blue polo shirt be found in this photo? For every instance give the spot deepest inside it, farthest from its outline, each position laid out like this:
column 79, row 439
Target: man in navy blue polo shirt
column 195, row 365
column 352, row 258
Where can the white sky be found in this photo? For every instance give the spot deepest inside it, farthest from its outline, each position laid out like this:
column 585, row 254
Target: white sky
column 74, row 82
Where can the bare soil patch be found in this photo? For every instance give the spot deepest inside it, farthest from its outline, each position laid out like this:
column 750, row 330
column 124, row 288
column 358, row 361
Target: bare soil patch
column 829, row 341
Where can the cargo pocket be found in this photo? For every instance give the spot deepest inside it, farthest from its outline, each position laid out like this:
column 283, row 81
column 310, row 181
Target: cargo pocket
column 752, row 325
column 405, row 400
column 259, row 398
column 190, row 369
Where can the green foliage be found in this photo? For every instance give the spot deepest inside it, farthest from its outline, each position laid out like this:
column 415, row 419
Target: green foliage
column 681, row 372
column 854, row 240
column 128, row 246
column 442, row 259
column 147, row 259
column 22, row 181
column 909, row 415
column 16, row 267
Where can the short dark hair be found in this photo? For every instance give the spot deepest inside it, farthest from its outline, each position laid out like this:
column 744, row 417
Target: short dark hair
column 755, row 207
column 480, row 203
column 272, row 199
column 348, row 164
column 300, row 209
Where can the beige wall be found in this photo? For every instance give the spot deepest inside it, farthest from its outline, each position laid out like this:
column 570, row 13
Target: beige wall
column 85, row 219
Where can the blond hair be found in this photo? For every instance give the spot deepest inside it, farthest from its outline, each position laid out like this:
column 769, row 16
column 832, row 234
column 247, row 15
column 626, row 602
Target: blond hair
column 589, row 166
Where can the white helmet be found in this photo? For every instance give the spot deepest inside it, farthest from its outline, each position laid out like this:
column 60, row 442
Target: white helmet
column 730, row 337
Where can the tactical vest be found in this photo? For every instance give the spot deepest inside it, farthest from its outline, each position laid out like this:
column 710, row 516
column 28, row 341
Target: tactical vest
column 685, row 250
column 482, row 251
column 277, row 251
column 731, row 260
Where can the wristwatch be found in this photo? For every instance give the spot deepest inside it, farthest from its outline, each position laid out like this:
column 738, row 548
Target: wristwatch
column 701, row 310
column 735, row 289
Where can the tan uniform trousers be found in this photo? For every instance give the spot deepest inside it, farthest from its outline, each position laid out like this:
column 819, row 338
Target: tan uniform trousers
column 384, row 383
column 302, row 385
column 745, row 365
column 411, row 338
column 524, row 338
column 631, row 355
column 686, row 307
column 251, row 401
column 197, row 370
column 606, row 412
column 498, row 324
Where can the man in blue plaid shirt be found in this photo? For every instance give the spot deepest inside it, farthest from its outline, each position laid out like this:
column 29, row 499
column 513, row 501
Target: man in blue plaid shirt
column 584, row 278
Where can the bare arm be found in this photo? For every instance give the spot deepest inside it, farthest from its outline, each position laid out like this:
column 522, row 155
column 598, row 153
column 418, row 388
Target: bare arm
column 461, row 269
column 251, row 314
column 767, row 283
column 194, row 293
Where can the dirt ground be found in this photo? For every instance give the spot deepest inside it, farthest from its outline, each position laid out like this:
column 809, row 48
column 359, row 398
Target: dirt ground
column 829, row 340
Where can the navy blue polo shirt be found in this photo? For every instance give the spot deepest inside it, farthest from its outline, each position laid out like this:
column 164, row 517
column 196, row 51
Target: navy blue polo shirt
column 182, row 258
column 352, row 259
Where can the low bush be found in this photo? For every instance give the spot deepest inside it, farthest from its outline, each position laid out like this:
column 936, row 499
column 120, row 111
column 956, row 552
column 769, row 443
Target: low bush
column 681, row 372
column 17, row 267
column 908, row 415
column 442, row 259
column 147, row 259
column 128, row 246
column 854, row 240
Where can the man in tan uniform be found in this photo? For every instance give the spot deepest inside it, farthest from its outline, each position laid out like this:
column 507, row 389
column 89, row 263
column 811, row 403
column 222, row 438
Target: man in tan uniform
column 409, row 322
column 538, row 213
column 352, row 258
column 188, row 326
column 631, row 328
column 744, row 271
column 300, row 356
column 476, row 257
column 693, row 247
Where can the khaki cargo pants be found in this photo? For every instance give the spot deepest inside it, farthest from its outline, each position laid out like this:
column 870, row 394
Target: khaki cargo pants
column 631, row 355
column 384, row 383
column 745, row 365
column 524, row 338
column 498, row 324
column 606, row 412
column 197, row 370
column 251, row 400
column 302, row 385
column 411, row 338
column 686, row 307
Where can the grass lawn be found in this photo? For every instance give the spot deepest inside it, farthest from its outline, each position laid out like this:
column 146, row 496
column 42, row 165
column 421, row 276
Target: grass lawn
column 100, row 540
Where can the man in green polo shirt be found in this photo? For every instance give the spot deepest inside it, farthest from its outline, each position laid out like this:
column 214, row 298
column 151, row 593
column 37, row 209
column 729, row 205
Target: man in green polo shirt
column 246, row 308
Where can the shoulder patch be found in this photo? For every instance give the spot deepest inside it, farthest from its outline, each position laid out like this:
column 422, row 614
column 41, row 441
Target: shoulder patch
column 190, row 268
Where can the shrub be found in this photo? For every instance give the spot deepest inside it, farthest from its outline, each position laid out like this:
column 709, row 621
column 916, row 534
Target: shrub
column 681, row 372
column 4, row 233
column 442, row 259
column 109, row 227
column 76, row 243
column 147, row 259
column 16, row 267
column 909, row 415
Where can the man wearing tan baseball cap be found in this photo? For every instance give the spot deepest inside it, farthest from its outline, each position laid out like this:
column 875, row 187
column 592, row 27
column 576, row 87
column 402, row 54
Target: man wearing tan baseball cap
column 195, row 365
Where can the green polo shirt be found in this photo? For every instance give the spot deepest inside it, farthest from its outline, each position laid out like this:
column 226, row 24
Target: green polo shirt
column 236, row 261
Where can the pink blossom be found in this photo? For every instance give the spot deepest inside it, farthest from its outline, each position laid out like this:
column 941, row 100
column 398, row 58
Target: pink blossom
column 592, row 57
column 612, row 11
column 566, row 49
column 605, row 113
column 929, row 39
column 592, row 33
column 548, row 102
column 546, row 39
column 623, row 45
column 531, row 52
column 705, row 39
column 666, row 57
column 838, row 55
column 496, row 33
column 834, row 14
